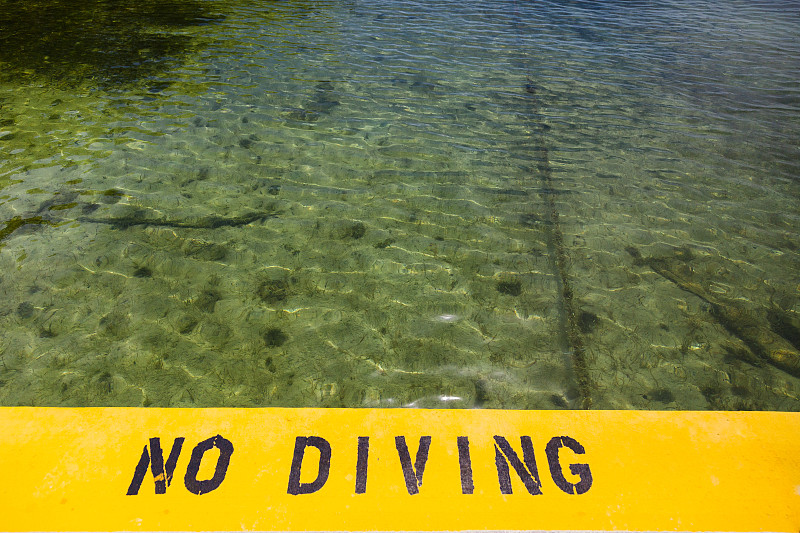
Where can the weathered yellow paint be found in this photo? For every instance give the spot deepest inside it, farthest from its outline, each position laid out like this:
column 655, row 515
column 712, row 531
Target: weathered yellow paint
column 69, row 469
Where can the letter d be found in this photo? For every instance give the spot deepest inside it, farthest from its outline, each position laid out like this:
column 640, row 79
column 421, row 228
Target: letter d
column 300, row 444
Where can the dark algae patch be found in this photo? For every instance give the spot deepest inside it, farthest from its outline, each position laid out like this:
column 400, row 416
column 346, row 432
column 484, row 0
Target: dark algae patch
column 17, row 222
column 512, row 287
column 275, row 337
column 25, row 310
column 207, row 299
column 112, row 196
column 587, row 321
column 273, row 291
column 110, row 42
column 660, row 395
column 355, row 231
column 62, row 207
column 384, row 243
column 186, row 324
column 785, row 325
column 559, row 401
column 143, row 272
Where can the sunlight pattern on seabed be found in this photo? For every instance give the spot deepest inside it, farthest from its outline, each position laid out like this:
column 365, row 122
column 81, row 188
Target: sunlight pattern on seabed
column 511, row 204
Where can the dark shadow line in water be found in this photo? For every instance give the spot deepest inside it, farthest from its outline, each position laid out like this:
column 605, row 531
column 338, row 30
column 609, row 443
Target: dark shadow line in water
column 568, row 314
column 209, row 222
column 767, row 335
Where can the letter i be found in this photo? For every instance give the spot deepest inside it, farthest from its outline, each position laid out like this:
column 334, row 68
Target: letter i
column 361, row 465
column 465, row 462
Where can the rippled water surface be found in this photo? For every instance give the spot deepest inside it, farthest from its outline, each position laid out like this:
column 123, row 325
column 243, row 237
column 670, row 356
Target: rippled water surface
column 497, row 204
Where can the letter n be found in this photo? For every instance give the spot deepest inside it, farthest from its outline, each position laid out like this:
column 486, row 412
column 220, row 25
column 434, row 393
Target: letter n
column 527, row 472
column 162, row 473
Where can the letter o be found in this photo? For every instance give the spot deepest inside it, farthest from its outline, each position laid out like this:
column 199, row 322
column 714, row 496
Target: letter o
column 195, row 486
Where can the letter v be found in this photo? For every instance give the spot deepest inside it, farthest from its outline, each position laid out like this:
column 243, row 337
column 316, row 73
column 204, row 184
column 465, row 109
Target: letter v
column 413, row 473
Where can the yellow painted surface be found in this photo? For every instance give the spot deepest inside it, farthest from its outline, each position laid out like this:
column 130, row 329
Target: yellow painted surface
column 69, row 469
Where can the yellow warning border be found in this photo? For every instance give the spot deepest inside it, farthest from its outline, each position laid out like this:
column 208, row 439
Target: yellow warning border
column 151, row 469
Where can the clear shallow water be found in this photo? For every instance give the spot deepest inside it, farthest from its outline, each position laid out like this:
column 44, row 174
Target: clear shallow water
column 494, row 204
